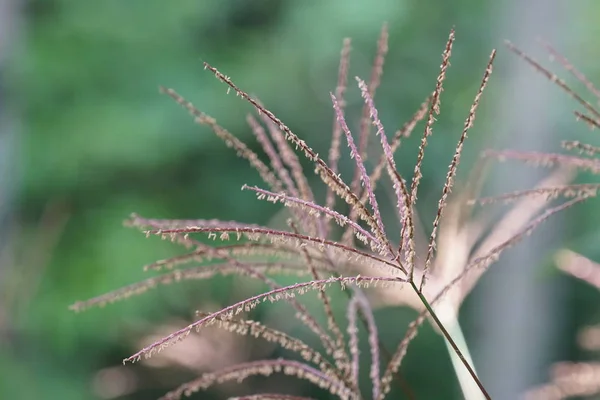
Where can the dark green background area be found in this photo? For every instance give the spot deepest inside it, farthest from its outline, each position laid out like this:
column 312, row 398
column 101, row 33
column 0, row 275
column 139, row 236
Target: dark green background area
column 98, row 142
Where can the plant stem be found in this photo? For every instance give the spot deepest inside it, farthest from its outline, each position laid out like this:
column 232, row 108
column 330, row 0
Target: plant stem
column 469, row 388
column 387, row 356
column 450, row 341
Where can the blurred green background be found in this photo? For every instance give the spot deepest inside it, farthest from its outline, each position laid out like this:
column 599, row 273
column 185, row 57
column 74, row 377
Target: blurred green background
column 94, row 141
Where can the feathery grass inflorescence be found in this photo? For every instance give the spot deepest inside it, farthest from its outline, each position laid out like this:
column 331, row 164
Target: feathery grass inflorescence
column 567, row 379
column 584, row 162
column 433, row 283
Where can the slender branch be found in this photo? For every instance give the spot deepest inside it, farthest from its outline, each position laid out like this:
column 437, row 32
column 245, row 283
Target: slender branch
column 450, row 340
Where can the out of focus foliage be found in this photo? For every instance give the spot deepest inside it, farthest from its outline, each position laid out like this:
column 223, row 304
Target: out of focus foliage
column 98, row 142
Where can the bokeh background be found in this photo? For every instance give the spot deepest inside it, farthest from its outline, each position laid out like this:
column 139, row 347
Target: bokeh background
column 86, row 139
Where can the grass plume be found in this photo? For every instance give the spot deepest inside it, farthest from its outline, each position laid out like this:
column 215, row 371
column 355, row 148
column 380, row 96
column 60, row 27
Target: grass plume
column 365, row 261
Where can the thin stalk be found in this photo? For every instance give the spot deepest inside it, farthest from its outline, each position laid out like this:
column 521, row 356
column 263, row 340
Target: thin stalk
column 382, row 348
column 467, row 385
column 450, row 341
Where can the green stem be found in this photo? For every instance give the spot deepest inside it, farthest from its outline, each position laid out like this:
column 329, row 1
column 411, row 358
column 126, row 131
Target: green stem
column 468, row 386
column 450, row 340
